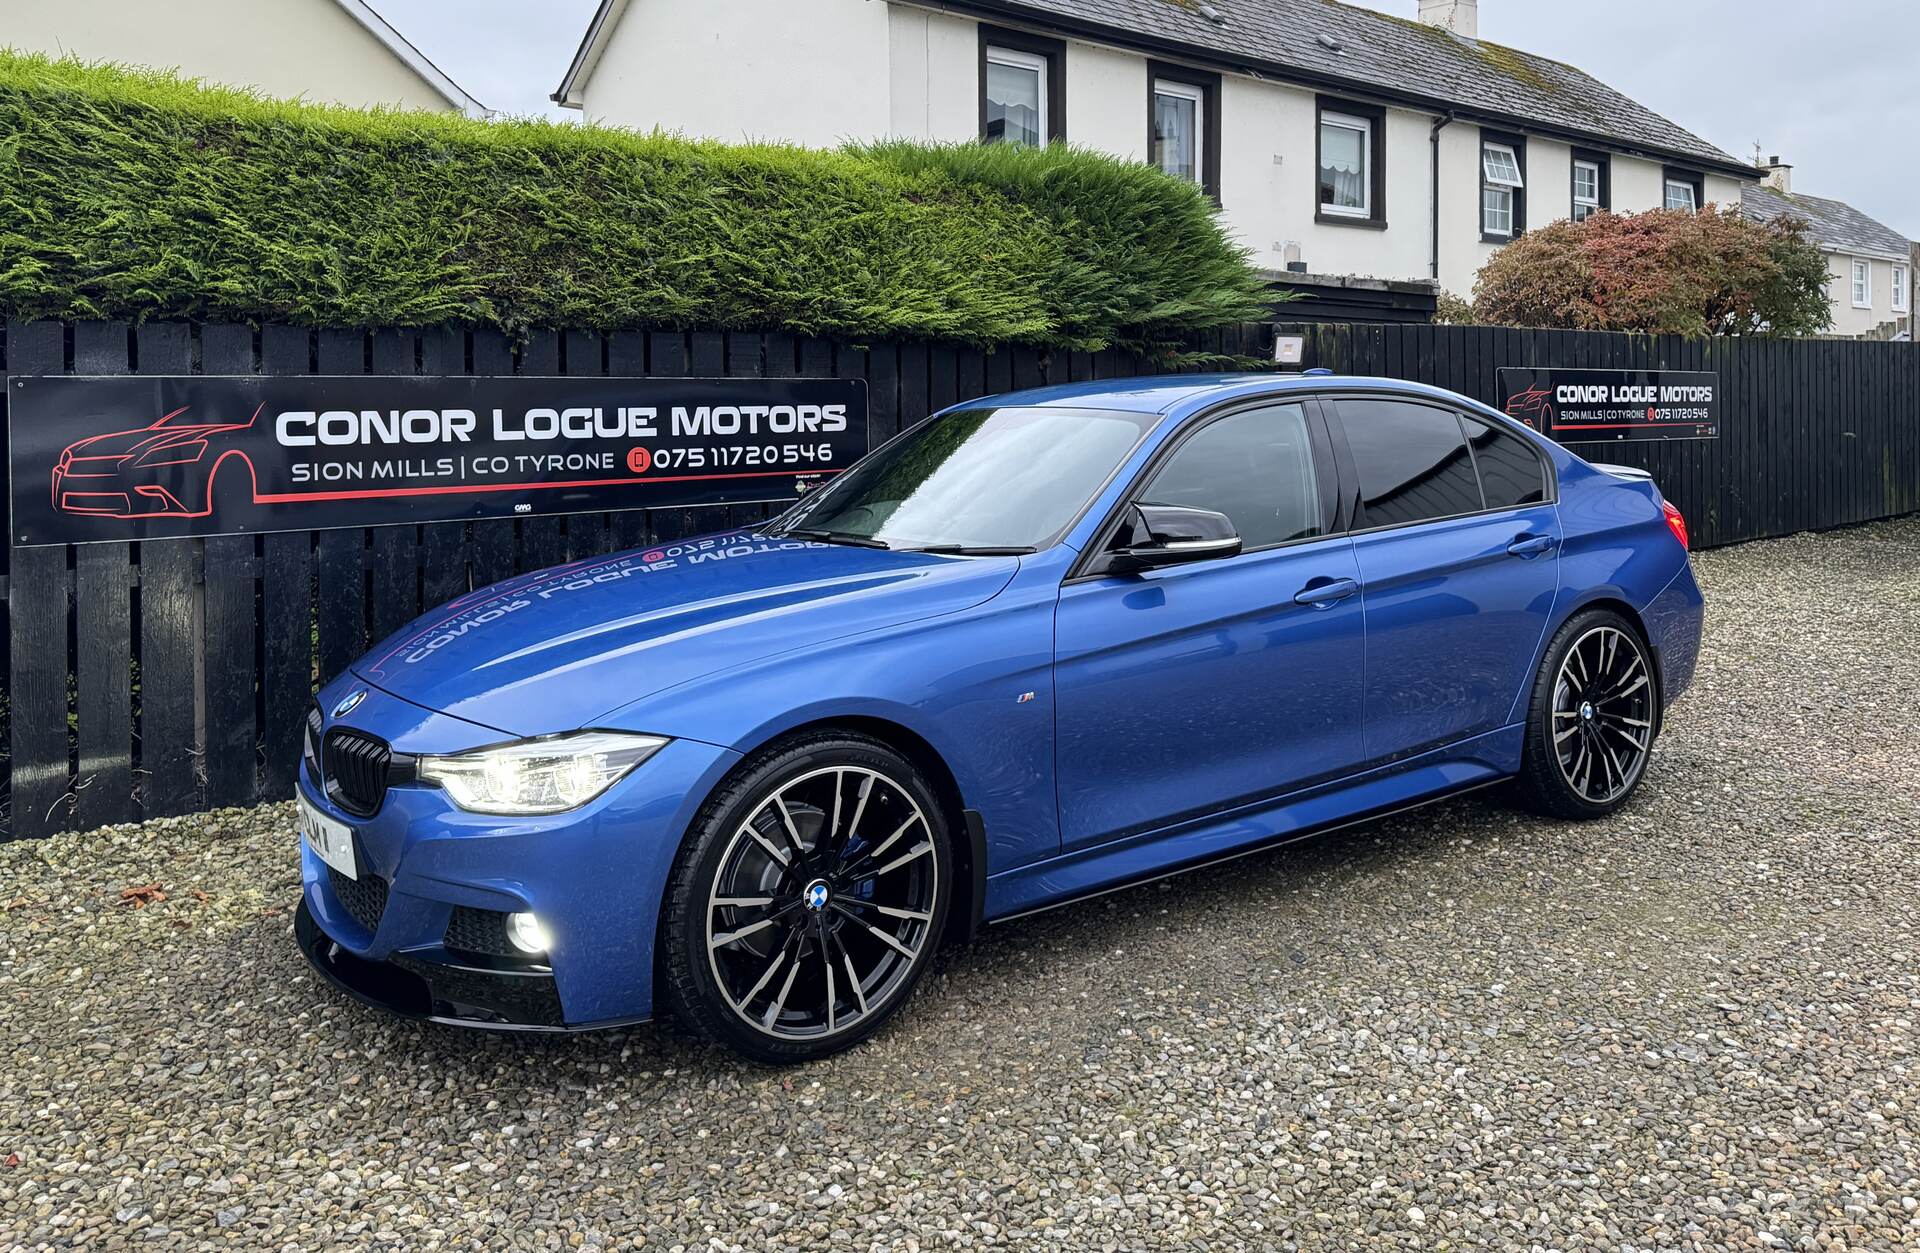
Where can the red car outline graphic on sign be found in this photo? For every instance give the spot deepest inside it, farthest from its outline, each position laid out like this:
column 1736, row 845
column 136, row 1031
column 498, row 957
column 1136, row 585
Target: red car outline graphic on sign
column 1533, row 407
column 155, row 471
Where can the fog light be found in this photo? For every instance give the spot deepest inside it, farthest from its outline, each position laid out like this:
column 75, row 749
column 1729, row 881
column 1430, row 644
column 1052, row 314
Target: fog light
column 528, row 934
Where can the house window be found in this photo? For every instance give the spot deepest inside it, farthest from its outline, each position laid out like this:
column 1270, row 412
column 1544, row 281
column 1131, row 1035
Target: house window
column 1016, row 97
column 1183, row 124
column 1683, row 191
column 1022, row 88
column 1902, row 285
column 1590, row 191
column 1352, row 188
column 1503, row 188
column 1346, row 165
column 1179, row 115
column 1863, row 284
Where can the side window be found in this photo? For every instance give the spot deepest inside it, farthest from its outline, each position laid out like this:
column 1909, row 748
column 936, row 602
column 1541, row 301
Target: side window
column 1256, row 467
column 1511, row 472
column 1413, row 462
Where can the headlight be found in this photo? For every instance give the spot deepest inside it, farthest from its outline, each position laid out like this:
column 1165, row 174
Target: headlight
column 175, row 455
column 544, row 776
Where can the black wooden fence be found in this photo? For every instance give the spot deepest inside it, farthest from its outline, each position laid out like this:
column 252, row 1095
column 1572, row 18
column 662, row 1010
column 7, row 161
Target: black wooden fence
column 165, row 677
column 1814, row 433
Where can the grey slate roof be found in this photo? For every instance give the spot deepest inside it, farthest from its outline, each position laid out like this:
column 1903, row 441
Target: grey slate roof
column 1835, row 226
column 1397, row 57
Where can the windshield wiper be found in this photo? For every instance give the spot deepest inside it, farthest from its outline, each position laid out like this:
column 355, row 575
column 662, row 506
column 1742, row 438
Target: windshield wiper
column 973, row 550
column 836, row 537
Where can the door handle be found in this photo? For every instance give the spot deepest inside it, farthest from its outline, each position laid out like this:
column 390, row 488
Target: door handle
column 1324, row 595
column 1532, row 545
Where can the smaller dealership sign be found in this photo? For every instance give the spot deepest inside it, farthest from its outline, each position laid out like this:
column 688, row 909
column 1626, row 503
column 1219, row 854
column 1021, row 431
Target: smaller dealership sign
column 142, row 458
column 1577, row 405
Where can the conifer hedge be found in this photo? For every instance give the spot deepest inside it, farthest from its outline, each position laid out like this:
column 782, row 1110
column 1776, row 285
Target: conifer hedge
column 136, row 195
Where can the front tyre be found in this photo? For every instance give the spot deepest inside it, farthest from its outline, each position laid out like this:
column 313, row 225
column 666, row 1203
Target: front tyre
column 807, row 900
column 1592, row 718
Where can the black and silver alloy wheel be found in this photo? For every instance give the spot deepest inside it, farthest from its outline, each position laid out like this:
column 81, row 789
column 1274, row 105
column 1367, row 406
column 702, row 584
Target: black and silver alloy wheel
column 809, row 900
column 1603, row 714
column 1592, row 719
column 824, row 901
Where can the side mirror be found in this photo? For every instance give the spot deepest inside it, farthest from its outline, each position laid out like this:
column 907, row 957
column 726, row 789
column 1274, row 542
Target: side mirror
column 1172, row 535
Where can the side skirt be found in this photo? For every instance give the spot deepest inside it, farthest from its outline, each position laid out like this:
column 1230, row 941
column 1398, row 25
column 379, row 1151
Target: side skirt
column 1370, row 797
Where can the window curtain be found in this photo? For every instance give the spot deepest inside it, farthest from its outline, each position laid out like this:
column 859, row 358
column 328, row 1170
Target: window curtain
column 1343, row 166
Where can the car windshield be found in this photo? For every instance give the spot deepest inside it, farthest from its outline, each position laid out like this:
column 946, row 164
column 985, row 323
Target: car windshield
column 978, row 479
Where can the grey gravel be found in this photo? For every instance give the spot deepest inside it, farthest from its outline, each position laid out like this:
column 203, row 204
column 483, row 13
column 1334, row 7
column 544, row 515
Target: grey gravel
column 1688, row 1027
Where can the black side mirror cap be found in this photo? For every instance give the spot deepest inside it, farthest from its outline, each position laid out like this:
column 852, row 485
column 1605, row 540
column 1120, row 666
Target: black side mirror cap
column 1173, row 535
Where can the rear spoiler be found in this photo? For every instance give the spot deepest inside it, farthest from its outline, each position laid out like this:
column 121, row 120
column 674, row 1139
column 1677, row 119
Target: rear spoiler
column 1624, row 472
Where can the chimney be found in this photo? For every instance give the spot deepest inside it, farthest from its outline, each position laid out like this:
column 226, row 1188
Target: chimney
column 1779, row 175
column 1462, row 17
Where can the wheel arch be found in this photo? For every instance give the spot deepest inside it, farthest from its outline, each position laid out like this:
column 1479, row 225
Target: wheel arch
column 213, row 474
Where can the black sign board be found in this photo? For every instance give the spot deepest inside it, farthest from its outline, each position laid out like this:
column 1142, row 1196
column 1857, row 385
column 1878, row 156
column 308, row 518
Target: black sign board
column 140, row 458
column 1577, row 405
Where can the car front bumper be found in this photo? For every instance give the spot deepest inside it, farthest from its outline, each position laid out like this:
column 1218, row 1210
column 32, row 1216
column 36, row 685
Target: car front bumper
column 595, row 877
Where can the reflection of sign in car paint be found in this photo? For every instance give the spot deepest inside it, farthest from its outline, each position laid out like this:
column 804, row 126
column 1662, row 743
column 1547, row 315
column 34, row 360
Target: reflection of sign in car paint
column 321, row 452
column 484, row 608
column 1614, row 405
column 167, row 469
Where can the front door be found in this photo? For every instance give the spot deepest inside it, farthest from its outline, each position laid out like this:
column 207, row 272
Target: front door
column 1184, row 691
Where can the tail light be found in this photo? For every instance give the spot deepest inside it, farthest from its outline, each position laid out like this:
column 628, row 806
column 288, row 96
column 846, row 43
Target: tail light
column 1675, row 523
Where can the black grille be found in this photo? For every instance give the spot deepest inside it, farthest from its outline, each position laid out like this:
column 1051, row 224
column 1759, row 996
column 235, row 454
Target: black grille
column 356, row 771
column 482, row 931
column 364, row 899
column 310, row 743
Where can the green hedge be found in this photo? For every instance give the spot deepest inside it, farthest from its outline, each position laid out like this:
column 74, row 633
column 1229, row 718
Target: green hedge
column 132, row 195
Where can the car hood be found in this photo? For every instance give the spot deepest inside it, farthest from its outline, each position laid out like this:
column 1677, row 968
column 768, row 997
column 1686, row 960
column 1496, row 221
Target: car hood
column 131, row 443
column 559, row 649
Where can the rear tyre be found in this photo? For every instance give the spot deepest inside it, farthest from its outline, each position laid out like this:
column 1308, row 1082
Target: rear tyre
column 807, row 900
column 1591, row 719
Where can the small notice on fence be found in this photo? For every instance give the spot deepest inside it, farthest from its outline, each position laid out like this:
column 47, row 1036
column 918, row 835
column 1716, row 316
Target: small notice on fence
column 118, row 458
column 1609, row 405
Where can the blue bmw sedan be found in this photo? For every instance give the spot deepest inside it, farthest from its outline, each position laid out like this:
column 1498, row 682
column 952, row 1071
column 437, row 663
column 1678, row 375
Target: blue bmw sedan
column 1035, row 648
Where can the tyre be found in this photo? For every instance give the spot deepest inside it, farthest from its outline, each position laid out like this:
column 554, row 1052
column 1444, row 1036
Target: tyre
column 1591, row 720
column 807, row 900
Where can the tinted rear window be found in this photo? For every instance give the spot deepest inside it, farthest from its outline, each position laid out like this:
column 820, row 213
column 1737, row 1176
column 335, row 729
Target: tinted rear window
column 1413, row 462
column 1511, row 472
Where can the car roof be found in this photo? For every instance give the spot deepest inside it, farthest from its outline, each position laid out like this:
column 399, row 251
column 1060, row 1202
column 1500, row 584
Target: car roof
column 1167, row 393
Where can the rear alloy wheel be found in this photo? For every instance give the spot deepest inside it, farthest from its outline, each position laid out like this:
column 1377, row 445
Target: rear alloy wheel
column 808, row 901
column 1592, row 719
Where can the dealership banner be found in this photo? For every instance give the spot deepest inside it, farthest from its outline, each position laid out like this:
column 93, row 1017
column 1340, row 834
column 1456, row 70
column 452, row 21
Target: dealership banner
column 119, row 458
column 1576, row 405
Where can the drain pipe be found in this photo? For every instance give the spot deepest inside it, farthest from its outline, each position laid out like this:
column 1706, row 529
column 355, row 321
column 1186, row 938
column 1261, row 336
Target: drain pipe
column 1439, row 124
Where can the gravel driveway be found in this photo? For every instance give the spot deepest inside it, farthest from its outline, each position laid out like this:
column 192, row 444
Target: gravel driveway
column 1691, row 1026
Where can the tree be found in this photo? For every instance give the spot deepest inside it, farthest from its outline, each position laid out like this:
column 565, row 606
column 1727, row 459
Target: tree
column 1710, row 273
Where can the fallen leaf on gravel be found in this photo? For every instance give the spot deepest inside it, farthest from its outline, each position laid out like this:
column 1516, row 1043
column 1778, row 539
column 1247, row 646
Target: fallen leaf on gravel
column 198, row 895
column 141, row 897
column 13, row 1159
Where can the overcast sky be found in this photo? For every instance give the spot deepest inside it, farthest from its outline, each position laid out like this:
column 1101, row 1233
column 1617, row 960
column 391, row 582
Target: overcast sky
column 1831, row 87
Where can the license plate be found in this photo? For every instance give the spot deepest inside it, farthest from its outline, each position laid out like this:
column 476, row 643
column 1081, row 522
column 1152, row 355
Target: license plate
column 331, row 841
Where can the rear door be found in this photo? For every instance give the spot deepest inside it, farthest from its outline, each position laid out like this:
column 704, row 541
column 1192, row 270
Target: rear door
column 1457, row 540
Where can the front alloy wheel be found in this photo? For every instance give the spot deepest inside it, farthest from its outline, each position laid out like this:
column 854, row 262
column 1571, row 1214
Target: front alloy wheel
column 808, row 900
